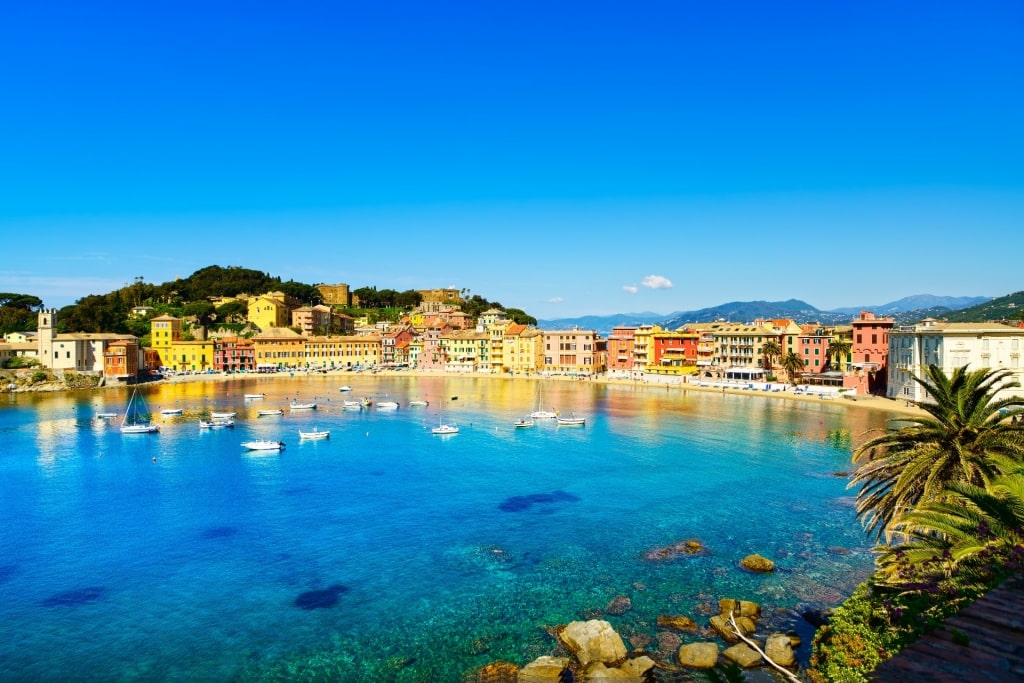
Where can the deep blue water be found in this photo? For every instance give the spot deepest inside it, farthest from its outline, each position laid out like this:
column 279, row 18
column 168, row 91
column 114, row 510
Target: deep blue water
column 387, row 553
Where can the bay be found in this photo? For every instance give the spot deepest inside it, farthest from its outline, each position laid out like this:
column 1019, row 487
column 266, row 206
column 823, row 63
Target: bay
column 387, row 553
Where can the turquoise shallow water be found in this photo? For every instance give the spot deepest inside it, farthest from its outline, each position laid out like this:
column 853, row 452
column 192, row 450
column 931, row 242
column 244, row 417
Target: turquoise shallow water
column 386, row 553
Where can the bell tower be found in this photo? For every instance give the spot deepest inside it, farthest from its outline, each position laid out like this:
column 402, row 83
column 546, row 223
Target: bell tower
column 47, row 332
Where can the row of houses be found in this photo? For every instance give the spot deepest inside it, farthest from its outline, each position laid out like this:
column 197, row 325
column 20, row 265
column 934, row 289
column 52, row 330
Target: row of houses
column 877, row 357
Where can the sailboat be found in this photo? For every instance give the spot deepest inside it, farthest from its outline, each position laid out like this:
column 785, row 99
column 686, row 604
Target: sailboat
column 542, row 413
column 442, row 427
column 136, row 419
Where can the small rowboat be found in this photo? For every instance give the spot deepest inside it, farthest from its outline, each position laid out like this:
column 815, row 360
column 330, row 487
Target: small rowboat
column 223, row 416
column 315, row 434
column 303, row 406
column 171, row 411
column 252, row 396
column 271, row 411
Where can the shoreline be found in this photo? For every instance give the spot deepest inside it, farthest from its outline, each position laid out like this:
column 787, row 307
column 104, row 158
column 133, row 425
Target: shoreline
column 866, row 402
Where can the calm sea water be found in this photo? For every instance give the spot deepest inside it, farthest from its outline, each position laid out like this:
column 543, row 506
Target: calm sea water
column 387, row 553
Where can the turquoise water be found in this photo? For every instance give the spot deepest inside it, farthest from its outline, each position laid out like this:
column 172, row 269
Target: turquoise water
column 386, row 553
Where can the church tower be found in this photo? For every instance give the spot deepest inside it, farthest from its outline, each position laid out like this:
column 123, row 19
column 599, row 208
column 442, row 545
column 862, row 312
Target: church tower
column 47, row 333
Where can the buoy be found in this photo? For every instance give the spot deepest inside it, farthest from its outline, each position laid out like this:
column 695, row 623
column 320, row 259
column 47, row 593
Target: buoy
column 154, row 458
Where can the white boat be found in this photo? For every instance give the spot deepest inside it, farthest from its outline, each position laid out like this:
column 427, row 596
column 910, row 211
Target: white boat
column 345, row 388
column 227, row 415
column 253, row 396
column 542, row 413
column 571, row 420
column 419, row 403
column 352, row 405
column 171, row 411
column 524, row 422
column 315, row 434
column 136, row 419
column 387, row 405
column 269, row 411
column 219, row 423
column 303, row 406
column 262, row 445
column 105, row 416
column 444, row 429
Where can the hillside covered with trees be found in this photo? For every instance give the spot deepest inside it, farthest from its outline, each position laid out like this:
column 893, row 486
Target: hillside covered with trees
column 190, row 298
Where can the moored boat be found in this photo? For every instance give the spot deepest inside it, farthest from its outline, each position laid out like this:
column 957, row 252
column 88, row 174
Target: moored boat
column 226, row 415
column 219, row 423
column 253, row 396
column 136, row 418
column 352, row 405
column 171, row 411
column 443, row 429
column 262, row 445
column 269, row 411
column 419, row 402
column 302, row 406
column 315, row 434
column 524, row 422
column 571, row 420
column 387, row 405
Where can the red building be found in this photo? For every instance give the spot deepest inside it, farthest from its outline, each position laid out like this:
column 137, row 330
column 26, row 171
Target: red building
column 233, row 354
column 870, row 353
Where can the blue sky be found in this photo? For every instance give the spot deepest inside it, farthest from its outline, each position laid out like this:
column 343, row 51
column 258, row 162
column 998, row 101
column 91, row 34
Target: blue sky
column 564, row 158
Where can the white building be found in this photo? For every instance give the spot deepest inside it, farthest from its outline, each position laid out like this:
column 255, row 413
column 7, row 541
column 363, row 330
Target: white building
column 80, row 351
column 950, row 346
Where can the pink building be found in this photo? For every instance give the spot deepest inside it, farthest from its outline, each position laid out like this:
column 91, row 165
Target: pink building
column 432, row 357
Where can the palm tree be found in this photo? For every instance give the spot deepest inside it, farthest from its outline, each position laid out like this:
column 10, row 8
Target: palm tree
column 837, row 350
column 770, row 350
column 966, row 432
column 967, row 521
column 793, row 365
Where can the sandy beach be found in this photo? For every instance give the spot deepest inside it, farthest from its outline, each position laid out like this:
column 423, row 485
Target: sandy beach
column 898, row 408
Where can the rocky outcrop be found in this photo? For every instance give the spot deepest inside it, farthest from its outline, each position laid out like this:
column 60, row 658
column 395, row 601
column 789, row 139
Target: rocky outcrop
column 592, row 641
column 544, row 670
column 779, row 649
column 698, row 655
column 498, row 672
column 744, row 655
column 722, row 626
column 758, row 564
column 739, row 608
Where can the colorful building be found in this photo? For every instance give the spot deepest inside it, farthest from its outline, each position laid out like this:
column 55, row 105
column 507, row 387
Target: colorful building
column 234, row 354
column 571, row 352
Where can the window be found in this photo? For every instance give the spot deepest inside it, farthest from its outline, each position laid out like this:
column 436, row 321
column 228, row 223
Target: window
column 874, row 339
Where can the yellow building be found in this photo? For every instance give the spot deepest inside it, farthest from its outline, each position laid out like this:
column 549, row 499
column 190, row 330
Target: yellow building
column 336, row 295
column 523, row 348
column 279, row 348
column 466, row 351
column 269, row 310
column 344, row 352
column 192, row 356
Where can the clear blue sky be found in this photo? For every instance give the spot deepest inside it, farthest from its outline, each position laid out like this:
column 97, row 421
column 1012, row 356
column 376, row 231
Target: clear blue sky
column 565, row 158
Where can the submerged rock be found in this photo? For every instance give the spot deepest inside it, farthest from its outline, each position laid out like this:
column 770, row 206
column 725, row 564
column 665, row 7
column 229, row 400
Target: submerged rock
column 619, row 605
column 677, row 622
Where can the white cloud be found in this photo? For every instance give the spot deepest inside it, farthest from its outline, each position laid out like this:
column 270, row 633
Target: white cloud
column 657, row 282
column 632, row 289
column 555, row 300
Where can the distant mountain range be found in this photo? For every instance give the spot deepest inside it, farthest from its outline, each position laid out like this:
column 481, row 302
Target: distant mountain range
column 906, row 310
